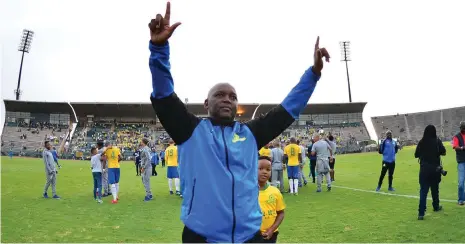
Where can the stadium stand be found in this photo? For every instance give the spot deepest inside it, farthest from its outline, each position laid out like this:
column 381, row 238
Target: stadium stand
column 409, row 127
column 125, row 124
column 29, row 124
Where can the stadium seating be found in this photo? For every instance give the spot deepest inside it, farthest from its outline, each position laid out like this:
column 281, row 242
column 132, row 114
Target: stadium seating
column 28, row 140
column 410, row 127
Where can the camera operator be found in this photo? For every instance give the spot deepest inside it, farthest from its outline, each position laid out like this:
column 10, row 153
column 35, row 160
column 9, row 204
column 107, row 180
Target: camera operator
column 429, row 151
column 458, row 143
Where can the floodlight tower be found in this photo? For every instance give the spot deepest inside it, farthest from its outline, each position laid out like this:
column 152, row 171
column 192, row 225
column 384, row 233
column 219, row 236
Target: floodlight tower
column 345, row 57
column 23, row 47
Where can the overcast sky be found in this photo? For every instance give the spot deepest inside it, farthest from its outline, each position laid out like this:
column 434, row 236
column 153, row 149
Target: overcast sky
column 407, row 55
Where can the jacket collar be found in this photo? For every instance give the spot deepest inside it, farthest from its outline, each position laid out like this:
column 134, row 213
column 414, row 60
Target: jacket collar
column 220, row 122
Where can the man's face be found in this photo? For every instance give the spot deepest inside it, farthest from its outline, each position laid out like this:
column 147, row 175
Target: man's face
column 264, row 170
column 222, row 102
column 389, row 135
column 48, row 146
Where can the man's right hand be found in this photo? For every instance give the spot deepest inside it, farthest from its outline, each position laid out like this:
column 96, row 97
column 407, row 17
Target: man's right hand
column 160, row 28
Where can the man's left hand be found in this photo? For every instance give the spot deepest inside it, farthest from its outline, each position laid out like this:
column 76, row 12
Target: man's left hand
column 318, row 56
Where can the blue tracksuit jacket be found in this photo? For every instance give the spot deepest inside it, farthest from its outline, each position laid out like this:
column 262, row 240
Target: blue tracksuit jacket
column 154, row 159
column 389, row 149
column 219, row 162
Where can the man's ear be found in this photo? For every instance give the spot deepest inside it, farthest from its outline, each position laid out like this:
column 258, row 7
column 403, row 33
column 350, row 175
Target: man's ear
column 205, row 104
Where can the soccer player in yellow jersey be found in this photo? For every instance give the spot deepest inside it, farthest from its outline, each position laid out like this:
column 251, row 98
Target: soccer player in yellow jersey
column 171, row 159
column 113, row 156
column 271, row 202
column 293, row 157
column 265, row 151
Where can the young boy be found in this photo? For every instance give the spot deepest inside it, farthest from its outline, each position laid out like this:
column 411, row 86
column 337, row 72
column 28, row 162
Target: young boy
column 271, row 202
column 96, row 166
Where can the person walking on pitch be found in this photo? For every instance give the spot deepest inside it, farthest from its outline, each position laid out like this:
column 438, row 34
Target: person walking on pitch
column 172, row 173
column 293, row 159
column 113, row 156
column 323, row 153
column 277, row 179
column 458, row 144
column 50, row 171
column 96, row 167
column 332, row 143
column 101, row 150
column 302, row 178
column 137, row 161
column 312, row 158
column 154, row 160
column 388, row 148
column 146, row 168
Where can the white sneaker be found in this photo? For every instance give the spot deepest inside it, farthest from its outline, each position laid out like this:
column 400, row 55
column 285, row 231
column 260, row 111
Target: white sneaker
column 99, row 201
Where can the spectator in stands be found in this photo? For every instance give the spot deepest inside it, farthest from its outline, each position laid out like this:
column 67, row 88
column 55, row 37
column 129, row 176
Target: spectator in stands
column 312, row 158
column 388, row 148
column 277, row 167
column 429, row 151
column 459, row 147
column 50, row 171
column 209, row 146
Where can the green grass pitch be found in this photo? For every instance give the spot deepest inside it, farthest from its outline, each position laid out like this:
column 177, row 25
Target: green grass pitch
column 343, row 215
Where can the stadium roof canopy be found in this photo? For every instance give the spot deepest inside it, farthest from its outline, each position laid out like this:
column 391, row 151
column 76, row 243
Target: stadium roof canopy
column 145, row 110
column 39, row 107
column 137, row 110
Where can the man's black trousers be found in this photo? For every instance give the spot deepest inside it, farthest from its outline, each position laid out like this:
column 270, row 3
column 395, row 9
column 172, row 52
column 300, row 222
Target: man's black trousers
column 387, row 167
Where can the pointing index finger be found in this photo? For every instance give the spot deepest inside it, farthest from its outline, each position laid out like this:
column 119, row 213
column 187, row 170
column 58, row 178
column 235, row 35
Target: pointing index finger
column 317, row 44
column 168, row 11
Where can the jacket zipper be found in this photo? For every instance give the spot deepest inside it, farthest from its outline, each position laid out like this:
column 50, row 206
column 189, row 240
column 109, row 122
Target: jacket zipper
column 232, row 176
column 192, row 198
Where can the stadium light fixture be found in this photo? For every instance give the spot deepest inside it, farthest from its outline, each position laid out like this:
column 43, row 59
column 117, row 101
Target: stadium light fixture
column 24, row 47
column 345, row 57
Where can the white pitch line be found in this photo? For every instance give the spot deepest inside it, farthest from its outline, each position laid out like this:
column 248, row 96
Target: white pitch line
column 390, row 194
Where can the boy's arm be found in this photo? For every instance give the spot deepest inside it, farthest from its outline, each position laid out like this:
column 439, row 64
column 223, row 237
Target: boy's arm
column 171, row 112
column 279, row 219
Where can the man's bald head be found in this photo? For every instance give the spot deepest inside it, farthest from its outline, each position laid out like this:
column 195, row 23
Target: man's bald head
column 221, row 102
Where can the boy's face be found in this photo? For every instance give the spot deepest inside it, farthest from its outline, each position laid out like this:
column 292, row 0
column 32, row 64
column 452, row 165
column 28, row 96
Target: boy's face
column 264, row 170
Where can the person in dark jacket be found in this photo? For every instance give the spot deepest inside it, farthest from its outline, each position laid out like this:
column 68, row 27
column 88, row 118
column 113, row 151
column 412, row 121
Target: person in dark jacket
column 312, row 162
column 218, row 155
column 429, row 151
